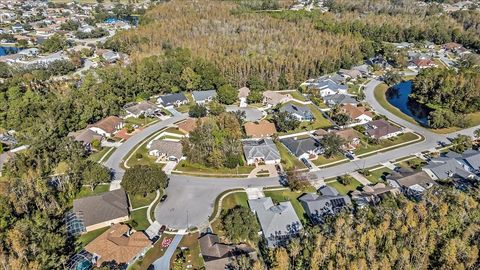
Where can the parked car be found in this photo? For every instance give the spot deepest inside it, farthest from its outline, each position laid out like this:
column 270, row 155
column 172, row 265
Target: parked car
column 163, row 198
column 305, row 161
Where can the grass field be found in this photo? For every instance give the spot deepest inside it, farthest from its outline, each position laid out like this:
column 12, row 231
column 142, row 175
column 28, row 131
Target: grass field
column 288, row 195
column 139, row 219
column 185, row 166
column 140, row 200
column 87, row 191
column 345, row 189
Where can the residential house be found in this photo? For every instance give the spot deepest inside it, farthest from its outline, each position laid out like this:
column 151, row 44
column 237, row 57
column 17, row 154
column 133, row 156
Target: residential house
column 351, row 137
column 421, row 64
column 301, row 112
column 454, row 166
column 144, row 108
column 306, row 147
column 165, row 150
column 373, row 194
column 272, row 98
column 327, row 87
column 359, row 115
column 382, row 129
column 258, row 151
column 188, row 125
column 363, row 69
column 86, row 137
column 172, row 100
column 120, row 245
column 279, row 222
column 328, row 203
column 262, row 129
column 217, row 255
column 320, row 133
column 340, row 99
column 352, row 74
column 102, row 210
column 107, row 127
column 412, row 184
column 451, row 46
column 202, row 97
column 242, row 96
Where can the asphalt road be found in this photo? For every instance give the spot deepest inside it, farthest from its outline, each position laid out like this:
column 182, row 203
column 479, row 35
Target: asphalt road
column 117, row 158
column 190, row 199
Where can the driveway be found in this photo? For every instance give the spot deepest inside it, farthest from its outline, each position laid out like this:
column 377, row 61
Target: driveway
column 163, row 263
column 191, row 200
column 251, row 114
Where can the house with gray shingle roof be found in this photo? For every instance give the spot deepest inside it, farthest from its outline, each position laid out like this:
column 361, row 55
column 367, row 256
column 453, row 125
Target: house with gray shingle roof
column 165, row 150
column 328, row 203
column 202, row 97
column 340, row 99
column 306, row 147
column 142, row 108
column 279, row 222
column 172, row 100
column 301, row 112
column 454, row 166
column 327, row 87
column 257, row 151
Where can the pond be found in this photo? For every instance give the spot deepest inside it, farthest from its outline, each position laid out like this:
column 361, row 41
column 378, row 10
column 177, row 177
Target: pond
column 4, row 50
column 399, row 96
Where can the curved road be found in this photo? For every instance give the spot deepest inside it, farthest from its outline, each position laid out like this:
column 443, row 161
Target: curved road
column 190, row 199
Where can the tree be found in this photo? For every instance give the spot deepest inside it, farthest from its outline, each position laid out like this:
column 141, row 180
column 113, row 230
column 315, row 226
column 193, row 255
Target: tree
column 53, row 44
column 255, row 84
column 345, row 179
column 476, row 134
column 95, row 174
column 144, row 179
column 341, row 119
column 240, row 225
column 285, row 121
column 226, row 94
column 332, row 144
column 297, row 181
column 197, row 111
column 461, row 143
column 242, row 262
column 216, row 108
column 190, row 79
column 254, row 97
column 392, row 78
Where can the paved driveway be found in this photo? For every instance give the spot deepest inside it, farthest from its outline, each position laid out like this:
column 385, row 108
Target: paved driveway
column 163, row 263
column 191, row 199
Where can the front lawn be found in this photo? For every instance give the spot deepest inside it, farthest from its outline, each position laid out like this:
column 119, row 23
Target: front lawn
column 152, row 255
column 141, row 122
column 322, row 160
column 87, row 191
column 230, row 201
column 97, row 156
column 88, row 237
column 139, row 200
column 345, row 189
column 403, row 138
column 288, row 195
column 139, row 219
column 289, row 162
column 185, row 166
column 297, row 95
column 378, row 175
column 141, row 157
column 415, row 163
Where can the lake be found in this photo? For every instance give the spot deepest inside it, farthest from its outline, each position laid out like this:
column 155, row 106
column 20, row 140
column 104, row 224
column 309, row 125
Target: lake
column 399, row 96
column 7, row 50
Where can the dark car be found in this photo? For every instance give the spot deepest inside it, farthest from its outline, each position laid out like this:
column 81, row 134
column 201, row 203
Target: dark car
column 164, row 197
column 162, row 229
column 305, row 161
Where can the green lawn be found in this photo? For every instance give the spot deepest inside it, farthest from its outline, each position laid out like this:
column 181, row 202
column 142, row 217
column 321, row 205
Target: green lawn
column 414, row 163
column 145, row 158
column 174, row 131
column 322, row 160
column 288, row 195
column 140, row 200
column 185, row 166
column 289, row 162
column 376, row 175
column 354, row 89
column 139, row 219
column 319, row 122
column 190, row 244
column 87, row 191
column 344, row 190
column 297, row 95
column 141, row 122
column 96, row 156
column 88, row 237
column 403, row 138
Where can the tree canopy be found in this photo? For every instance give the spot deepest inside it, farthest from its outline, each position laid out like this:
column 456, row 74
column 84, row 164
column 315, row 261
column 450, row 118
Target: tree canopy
column 144, row 179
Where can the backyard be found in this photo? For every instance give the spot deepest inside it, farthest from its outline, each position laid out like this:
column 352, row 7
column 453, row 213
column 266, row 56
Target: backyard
column 86, row 191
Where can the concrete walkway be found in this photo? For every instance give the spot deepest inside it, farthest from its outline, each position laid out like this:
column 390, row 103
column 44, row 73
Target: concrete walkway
column 360, row 178
column 163, row 263
column 149, row 210
column 254, row 193
column 389, row 165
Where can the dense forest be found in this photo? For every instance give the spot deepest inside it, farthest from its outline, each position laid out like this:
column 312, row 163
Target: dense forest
column 440, row 232
column 449, row 94
column 294, row 45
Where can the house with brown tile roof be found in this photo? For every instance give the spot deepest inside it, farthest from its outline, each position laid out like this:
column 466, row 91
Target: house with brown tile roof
column 85, row 136
column 108, row 126
column 262, row 129
column 119, row 244
column 382, row 129
column 360, row 115
column 102, row 210
column 373, row 194
column 351, row 137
